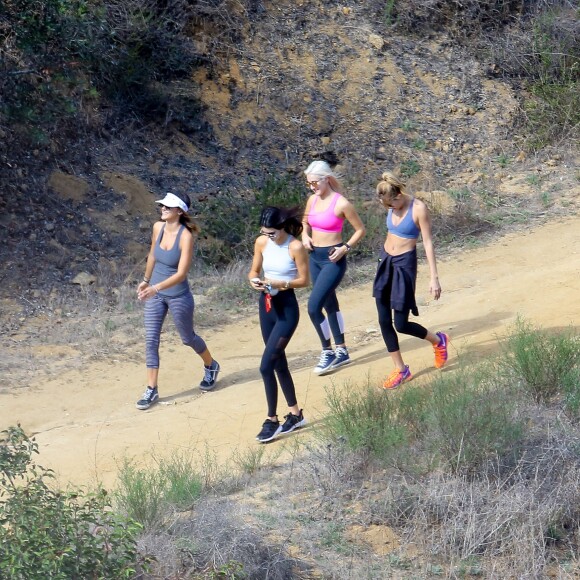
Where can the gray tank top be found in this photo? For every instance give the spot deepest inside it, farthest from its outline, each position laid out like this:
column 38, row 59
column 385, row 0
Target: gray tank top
column 166, row 262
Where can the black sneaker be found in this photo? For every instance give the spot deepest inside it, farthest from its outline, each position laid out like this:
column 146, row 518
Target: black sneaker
column 210, row 377
column 292, row 422
column 270, row 430
column 150, row 397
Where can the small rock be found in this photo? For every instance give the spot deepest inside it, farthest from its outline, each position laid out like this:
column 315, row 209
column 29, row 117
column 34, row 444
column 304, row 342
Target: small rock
column 376, row 41
column 346, row 10
column 325, row 140
column 475, row 178
column 84, row 279
column 520, row 156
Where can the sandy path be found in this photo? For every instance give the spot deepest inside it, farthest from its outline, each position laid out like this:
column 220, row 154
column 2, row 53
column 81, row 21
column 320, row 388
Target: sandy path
column 86, row 420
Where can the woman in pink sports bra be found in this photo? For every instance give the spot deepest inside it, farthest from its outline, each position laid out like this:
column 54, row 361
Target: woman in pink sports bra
column 323, row 222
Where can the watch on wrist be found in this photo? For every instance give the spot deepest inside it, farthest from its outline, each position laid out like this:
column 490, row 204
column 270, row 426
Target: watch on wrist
column 347, row 247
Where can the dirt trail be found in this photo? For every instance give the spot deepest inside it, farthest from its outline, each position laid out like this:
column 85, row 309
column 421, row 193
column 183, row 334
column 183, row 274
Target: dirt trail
column 85, row 421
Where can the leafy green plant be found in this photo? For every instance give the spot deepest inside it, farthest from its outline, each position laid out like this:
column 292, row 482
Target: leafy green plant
column 365, row 421
column 250, row 461
column 571, row 389
column 554, row 69
column 533, row 179
column 419, row 144
column 540, row 361
column 409, row 168
column 230, row 222
column 503, row 160
column 47, row 533
column 149, row 494
column 231, row 571
column 546, row 198
column 471, row 418
column 408, row 125
column 389, row 12
column 460, row 195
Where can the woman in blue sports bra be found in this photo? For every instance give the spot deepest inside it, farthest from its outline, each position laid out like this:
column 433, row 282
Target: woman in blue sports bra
column 394, row 285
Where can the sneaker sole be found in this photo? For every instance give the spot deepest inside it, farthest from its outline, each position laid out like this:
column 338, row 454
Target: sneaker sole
column 323, row 371
column 397, row 386
column 209, row 388
column 340, row 364
column 278, row 431
column 294, row 427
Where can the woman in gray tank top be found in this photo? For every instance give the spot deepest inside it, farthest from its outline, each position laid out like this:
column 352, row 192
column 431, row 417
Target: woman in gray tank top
column 165, row 288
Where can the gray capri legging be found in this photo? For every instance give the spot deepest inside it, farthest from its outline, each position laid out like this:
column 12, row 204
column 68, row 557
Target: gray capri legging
column 181, row 308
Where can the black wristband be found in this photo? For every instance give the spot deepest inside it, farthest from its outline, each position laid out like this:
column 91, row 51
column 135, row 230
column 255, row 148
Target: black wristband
column 347, row 247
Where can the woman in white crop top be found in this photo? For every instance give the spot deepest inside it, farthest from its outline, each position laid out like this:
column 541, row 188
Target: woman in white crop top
column 284, row 263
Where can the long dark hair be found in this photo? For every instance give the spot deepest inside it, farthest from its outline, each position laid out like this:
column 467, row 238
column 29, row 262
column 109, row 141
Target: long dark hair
column 282, row 218
column 185, row 218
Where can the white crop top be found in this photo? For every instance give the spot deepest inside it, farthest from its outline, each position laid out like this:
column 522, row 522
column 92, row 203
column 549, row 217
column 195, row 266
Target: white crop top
column 277, row 262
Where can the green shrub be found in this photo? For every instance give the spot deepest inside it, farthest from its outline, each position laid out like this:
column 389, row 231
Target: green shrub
column 140, row 494
column 460, row 420
column 149, row 494
column 230, row 221
column 471, row 418
column 136, row 55
column 366, row 421
column 542, row 362
column 571, row 388
column 409, row 168
column 46, row 533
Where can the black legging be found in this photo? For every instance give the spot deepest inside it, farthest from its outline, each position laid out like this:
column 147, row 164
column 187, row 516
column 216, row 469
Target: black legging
column 277, row 327
column 402, row 323
column 326, row 276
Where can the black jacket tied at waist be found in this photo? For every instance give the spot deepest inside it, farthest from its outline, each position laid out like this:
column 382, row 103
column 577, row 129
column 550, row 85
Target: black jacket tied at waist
column 401, row 272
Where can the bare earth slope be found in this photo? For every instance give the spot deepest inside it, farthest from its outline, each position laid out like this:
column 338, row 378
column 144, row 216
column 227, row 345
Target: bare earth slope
column 85, row 421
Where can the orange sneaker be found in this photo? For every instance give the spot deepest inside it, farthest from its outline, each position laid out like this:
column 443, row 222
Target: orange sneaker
column 441, row 350
column 397, row 378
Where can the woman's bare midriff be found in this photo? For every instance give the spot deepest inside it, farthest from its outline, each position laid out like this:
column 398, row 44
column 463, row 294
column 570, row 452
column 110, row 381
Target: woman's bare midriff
column 396, row 246
column 323, row 239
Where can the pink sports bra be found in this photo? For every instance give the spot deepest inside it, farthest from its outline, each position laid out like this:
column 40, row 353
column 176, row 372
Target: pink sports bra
column 325, row 221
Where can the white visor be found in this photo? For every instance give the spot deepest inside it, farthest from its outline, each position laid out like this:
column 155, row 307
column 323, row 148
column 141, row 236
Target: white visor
column 171, row 200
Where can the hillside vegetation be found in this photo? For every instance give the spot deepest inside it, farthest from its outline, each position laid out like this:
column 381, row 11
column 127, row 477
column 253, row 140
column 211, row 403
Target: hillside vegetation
column 105, row 104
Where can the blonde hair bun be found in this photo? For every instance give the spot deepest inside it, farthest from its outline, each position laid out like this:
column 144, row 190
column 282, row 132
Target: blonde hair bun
column 393, row 180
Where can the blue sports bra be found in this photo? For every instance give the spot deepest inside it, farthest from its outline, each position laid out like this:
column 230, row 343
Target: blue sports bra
column 406, row 228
